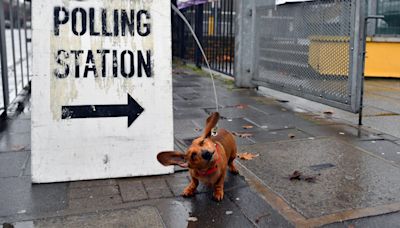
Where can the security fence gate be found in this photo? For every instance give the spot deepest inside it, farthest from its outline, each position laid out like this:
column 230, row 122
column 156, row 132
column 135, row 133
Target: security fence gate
column 312, row 49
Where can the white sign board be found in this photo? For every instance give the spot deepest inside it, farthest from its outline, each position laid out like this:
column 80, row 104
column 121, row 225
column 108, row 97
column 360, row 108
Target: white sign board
column 101, row 88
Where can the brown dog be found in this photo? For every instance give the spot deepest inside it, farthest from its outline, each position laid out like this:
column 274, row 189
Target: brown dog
column 207, row 159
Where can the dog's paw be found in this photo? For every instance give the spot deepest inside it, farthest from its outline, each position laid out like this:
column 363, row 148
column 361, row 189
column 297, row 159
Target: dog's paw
column 188, row 192
column 218, row 195
column 233, row 170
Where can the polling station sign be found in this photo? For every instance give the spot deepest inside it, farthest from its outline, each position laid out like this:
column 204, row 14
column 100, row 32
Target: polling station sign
column 101, row 88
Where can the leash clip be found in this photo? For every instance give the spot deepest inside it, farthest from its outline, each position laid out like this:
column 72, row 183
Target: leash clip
column 214, row 131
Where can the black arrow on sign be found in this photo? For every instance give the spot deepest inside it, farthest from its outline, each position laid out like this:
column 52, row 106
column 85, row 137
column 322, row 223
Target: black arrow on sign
column 131, row 110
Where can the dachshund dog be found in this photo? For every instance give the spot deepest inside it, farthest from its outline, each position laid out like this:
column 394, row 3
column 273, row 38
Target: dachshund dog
column 207, row 158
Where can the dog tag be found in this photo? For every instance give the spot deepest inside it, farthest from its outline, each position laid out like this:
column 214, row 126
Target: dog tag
column 214, row 131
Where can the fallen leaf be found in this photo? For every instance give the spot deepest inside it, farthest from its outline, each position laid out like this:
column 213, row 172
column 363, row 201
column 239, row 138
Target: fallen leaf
column 192, row 219
column 291, row 136
column 242, row 135
column 17, row 147
column 295, row 175
column 247, row 126
column 247, row 156
column 282, row 101
column 241, row 106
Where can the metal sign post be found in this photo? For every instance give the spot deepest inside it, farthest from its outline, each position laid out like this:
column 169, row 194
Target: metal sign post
column 102, row 89
column 363, row 64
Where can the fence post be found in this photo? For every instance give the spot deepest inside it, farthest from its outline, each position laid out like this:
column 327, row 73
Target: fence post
column 199, row 33
column 3, row 53
column 357, row 58
column 244, row 43
column 181, row 39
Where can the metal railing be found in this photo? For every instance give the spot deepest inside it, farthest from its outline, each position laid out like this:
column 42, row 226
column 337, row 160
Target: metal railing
column 214, row 24
column 15, row 49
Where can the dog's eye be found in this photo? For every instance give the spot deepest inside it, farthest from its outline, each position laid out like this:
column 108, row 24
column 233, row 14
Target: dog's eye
column 193, row 155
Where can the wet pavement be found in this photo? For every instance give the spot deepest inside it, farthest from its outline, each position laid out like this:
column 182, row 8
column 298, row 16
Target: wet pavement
column 356, row 170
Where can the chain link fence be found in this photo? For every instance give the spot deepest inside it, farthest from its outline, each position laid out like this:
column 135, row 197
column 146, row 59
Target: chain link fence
column 311, row 49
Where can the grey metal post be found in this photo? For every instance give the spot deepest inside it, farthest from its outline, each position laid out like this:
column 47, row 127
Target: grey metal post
column 244, row 43
column 26, row 43
column 20, row 45
column 13, row 45
column 3, row 52
column 376, row 17
column 357, row 43
column 372, row 10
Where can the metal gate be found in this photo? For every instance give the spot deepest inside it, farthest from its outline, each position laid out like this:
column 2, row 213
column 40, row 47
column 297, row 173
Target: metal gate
column 312, row 50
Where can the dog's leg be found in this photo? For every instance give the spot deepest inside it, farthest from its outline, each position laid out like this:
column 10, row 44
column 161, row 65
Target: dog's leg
column 191, row 188
column 219, row 188
column 231, row 165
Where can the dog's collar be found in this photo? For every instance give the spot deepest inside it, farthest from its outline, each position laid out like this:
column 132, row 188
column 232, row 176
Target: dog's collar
column 213, row 169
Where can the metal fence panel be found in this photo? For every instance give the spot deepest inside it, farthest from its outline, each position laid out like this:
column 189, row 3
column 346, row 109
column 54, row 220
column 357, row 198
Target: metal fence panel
column 15, row 49
column 214, row 24
column 312, row 49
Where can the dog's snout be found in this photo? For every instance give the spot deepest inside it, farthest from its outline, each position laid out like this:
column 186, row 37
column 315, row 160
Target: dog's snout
column 206, row 155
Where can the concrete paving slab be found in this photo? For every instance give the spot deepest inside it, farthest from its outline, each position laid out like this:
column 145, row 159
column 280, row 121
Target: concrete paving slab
column 177, row 182
column 18, row 126
column 278, row 135
column 215, row 214
column 238, row 111
column 188, row 127
column 145, row 216
column 190, row 114
column 279, row 121
column 94, row 202
column 256, row 209
column 236, row 125
column 267, row 107
column 382, row 102
column 18, row 196
column 185, row 84
column 132, row 189
column 93, row 192
column 358, row 179
column 156, row 187
column 92, row 183
column 14, row 141
column 382, row 148
column 12, row 164
column 389, row 123
column 388, row 220
column 193, row 104
column 343, row 131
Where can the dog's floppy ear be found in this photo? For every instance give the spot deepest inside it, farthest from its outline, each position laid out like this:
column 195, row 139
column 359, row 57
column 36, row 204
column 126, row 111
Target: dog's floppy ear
column 172, row 158
column 212, row 120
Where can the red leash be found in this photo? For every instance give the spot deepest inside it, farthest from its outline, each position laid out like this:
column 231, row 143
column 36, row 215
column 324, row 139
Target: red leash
column 213, row 169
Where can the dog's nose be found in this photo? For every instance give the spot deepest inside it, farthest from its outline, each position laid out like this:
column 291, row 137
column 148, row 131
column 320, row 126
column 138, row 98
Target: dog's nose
column 206, row 155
